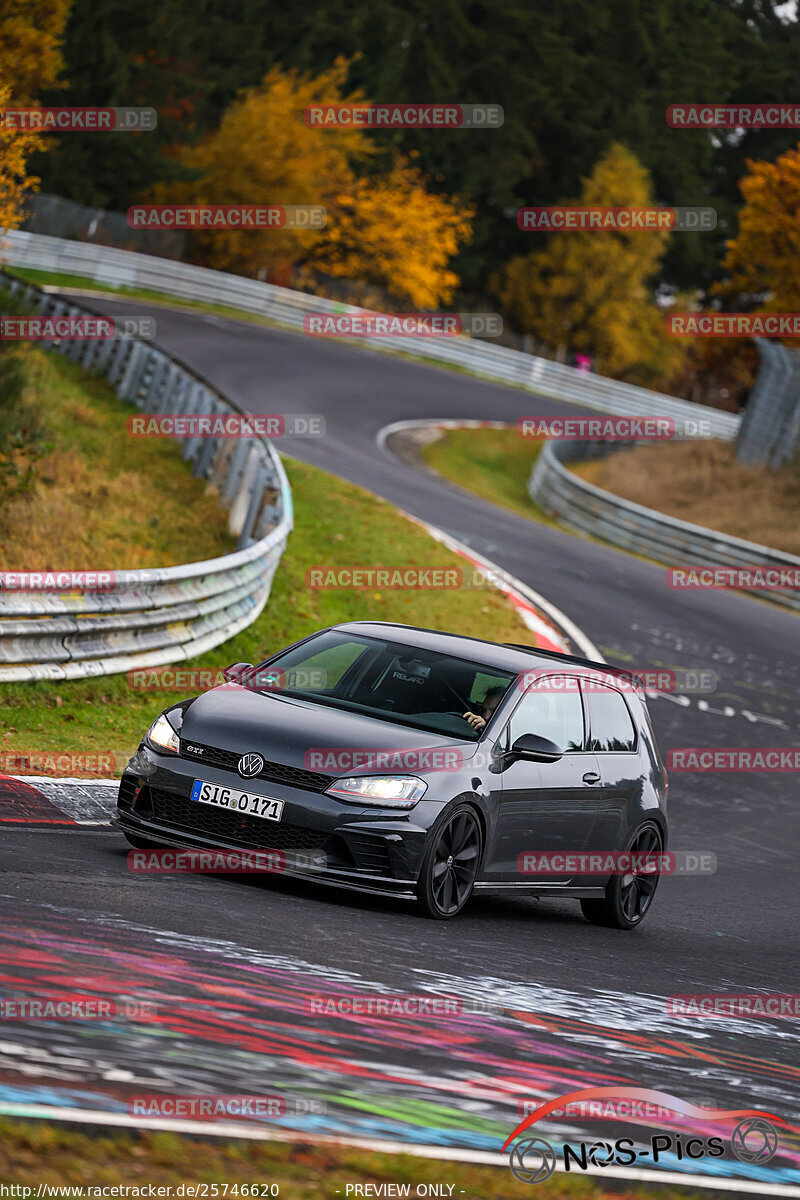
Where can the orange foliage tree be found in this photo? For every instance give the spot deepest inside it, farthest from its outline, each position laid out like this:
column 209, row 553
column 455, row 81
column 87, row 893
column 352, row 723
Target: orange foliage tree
column 591, row 290
column 383, row 228
column 30, row 61
column 763, row 261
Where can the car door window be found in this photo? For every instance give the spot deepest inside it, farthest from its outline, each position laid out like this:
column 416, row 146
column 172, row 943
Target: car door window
column 610, row 724
column 552, row 709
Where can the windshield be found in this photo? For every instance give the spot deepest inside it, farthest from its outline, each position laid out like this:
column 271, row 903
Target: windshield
column 390, row 681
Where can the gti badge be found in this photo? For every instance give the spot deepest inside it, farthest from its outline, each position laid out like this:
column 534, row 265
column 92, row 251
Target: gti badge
column 250, row 764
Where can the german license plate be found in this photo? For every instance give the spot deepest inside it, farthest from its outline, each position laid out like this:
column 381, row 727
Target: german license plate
column 233, row 800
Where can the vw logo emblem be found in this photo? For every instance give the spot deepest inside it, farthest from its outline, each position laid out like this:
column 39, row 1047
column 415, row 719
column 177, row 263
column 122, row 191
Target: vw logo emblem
column 533, row 1160
column 249, row 765
column 763, row 1141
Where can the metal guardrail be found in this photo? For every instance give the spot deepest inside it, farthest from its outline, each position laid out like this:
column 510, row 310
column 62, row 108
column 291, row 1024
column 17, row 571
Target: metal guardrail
column 589, row 509
column 770, row 430
column 154, row 617
column 124, row 268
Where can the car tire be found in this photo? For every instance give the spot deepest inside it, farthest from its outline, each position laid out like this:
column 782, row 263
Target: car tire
column 450, row 865
column 141, row 843
column 628, row 897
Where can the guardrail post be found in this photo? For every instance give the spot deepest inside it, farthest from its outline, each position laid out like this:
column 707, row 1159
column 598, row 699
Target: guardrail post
column 180, row 392
column 129, row 384
column 253, row 507
column 57, row 310
column 122, row 347
column 103, row 355
column 210, row 445
column 160, row 369
column 241, row 500
column 236, row 468
column 74, row 346
column 200, row 399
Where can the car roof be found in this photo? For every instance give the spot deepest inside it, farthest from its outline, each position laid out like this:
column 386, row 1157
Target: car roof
column 506, row 656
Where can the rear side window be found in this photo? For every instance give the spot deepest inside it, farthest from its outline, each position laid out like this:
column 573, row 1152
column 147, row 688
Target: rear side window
column 610, row 723
column 553, row 710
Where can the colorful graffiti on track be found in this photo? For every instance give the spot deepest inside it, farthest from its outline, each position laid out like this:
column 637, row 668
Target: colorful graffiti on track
column 231, row 1019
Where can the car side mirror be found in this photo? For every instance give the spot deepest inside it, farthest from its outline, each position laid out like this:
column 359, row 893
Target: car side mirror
column 538, row 749
column 234, row 673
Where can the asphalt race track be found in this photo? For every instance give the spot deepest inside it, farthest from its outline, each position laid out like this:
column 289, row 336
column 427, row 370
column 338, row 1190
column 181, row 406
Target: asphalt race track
column 232, row 965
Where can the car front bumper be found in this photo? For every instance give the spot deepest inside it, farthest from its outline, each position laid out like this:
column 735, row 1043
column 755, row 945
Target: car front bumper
column 318, row 837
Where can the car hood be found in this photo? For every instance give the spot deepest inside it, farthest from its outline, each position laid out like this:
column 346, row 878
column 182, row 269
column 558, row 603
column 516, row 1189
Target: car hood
column 299, row 733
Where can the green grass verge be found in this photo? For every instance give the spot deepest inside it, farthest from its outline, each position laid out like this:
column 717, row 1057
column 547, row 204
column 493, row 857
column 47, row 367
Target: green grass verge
column 337, row 524
column 40, row 1152
column 99, row 498
column 493, row 463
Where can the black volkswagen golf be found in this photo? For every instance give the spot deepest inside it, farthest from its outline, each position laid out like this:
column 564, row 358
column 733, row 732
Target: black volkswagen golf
column 386, row 758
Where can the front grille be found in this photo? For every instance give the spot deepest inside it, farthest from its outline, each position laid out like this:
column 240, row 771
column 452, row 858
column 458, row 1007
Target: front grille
column 191, row 815
column 228, row 760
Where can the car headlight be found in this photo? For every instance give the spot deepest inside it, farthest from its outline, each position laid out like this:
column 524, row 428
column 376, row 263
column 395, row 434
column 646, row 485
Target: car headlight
column 386, row 791
column 162, row 735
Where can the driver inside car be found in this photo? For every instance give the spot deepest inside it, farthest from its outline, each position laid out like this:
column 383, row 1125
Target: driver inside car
column 479, row 721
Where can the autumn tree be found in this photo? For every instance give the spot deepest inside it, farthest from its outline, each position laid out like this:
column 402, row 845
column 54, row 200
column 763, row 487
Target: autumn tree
column 590, row 290
column 383, row 226
column 264, row 153
column 572, row 78
column 762, row 263
column 16, row 146
column 30, row 62
column 761, row 273
column 389, row 231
